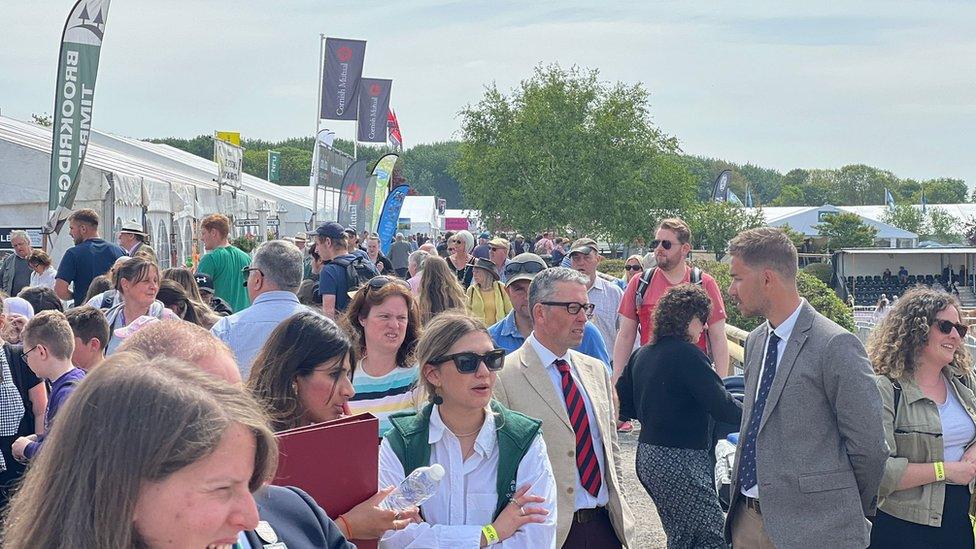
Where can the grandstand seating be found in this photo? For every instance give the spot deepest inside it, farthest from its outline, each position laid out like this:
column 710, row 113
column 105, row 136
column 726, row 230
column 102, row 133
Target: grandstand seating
column 868, row 289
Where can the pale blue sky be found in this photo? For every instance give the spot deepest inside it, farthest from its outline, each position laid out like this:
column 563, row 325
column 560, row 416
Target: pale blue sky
column 778, row 84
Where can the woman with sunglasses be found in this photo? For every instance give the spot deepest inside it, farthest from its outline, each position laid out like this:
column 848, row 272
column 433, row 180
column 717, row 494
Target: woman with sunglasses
column 498, row 488
column 926, row 382
column 632, row 268
column 385, row 325
column 462, row 243
column 137, row 283
column 439, row 289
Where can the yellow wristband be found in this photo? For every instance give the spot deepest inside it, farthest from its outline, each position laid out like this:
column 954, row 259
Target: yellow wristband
column 491, row 536
column 939, row 471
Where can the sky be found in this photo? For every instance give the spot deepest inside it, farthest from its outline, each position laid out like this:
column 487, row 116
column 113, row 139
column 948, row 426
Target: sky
column 777, row 84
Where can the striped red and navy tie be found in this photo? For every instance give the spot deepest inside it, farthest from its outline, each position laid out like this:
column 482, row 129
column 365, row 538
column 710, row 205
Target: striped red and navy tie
column 586, row 462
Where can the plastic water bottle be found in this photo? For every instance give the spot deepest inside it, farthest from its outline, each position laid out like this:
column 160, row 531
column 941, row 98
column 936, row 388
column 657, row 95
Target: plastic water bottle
column 415, row 489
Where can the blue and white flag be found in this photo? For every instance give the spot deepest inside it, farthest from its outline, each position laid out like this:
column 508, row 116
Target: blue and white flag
column 889, row 200
column 748, row 198
column 387, row 226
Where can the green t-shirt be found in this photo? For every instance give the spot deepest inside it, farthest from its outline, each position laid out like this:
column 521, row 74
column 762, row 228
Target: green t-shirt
column 224, row 264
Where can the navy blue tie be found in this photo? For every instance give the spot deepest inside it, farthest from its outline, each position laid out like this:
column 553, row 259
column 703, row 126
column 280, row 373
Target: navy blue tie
column 747, row 461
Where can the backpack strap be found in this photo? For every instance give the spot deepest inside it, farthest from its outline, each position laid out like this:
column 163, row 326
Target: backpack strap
column 642, row 284
column 515, row 433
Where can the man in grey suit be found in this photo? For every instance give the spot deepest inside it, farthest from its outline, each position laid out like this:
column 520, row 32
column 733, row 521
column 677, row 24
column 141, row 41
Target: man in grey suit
column 811, row 448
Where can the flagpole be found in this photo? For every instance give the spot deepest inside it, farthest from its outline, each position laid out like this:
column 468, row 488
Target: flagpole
column 314, row 175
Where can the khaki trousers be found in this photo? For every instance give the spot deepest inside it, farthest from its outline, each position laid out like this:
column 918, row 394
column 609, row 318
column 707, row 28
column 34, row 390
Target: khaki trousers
column 747, row 529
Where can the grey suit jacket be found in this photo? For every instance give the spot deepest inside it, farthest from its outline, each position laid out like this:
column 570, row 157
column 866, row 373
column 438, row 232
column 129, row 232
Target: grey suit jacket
column 820, row 451
column 525, row 386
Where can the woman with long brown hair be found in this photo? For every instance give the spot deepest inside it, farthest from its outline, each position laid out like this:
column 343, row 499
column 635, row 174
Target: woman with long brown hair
column 439, row 290
column 385, row 325
column 137, row 282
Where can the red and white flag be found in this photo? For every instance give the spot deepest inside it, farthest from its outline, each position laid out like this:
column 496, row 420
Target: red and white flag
column 396, row 141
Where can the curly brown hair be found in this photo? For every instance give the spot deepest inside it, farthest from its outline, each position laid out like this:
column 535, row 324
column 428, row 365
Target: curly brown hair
column 676, row 309
column 894, row 345
column 368, row 297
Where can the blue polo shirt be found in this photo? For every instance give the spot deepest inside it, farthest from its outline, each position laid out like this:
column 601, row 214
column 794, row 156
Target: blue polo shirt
column 83, row 262
column 506, row 335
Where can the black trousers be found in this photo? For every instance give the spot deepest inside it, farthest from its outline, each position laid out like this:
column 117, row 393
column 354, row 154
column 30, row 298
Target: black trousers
column 956, row 531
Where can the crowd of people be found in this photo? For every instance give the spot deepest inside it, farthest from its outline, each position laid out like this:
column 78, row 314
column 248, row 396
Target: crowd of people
column 139, row 406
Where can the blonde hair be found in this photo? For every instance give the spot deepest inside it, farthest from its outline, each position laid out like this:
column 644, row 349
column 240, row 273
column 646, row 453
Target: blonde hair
column 170, row 415
column 439, row 289
column 894, row 345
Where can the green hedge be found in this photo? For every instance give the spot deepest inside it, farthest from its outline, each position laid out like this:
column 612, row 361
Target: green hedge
column 823, row 271
column 820, row 296
column 612, row 267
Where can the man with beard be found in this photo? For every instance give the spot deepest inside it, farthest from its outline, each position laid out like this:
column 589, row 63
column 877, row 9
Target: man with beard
column 91, row 256
column 671, row 244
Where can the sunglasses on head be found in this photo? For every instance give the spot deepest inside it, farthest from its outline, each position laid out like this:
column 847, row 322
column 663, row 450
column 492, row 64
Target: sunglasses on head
column 632, row 267
column 378, row 282
column 946, row 326
column 666, row 244
column 513, row 268
column 467, row 363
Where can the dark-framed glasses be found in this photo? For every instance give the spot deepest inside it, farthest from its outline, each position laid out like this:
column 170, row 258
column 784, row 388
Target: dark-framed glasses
column 467, row 363
column 632, row 268
column 513, row 268
column 246, row 272
column 666, row 244
column 32, row 349
column 572, row 307
column 946, row 326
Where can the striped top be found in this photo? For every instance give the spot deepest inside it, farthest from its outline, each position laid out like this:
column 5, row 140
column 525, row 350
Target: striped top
column 383, row 396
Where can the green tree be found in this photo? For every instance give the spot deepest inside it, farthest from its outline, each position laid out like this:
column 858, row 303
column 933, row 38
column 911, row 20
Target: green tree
column 846, row 230
column 907, row 217
column 796, row 237
column 427, row 169
column 564, row 150
column 943, row 226
column 945, row 191
column 714, row 224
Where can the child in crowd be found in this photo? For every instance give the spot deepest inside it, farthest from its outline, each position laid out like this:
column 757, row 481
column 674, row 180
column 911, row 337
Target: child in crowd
column 49, row 344
column 91, row 336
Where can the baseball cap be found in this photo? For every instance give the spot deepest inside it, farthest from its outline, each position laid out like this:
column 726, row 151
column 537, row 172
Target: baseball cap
column 498, row 242
column 583, row 245
column 330, row 229
column 204, row 282
column 485, row 235
column 524, row 267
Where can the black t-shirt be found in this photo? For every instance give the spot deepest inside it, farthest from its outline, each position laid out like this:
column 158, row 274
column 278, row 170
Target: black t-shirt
column 22, row 275
column 670, row 387
column 25, row 380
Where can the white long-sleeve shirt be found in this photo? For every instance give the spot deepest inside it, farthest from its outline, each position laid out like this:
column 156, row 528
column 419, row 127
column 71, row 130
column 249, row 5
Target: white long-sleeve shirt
column 467, row 496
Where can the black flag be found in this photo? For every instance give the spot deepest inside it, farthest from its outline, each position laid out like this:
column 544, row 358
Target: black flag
column 340, row 79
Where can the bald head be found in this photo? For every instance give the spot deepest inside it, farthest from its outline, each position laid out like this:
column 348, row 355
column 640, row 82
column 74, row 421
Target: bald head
column 188, row 342
column 429, row 248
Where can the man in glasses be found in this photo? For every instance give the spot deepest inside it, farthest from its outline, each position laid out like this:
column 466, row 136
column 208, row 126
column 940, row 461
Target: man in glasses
column 812, row 448
column 510, row 332
column 498, row 254
column 272, row 281
column 671, row 244
column 572, row 395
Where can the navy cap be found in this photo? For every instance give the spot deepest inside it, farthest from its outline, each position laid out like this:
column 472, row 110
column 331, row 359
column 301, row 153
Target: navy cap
column 204, row 282
column 330, row 229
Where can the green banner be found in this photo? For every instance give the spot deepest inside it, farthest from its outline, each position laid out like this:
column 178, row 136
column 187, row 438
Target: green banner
column 383, row 171
column 274, row 166
column 81, row 44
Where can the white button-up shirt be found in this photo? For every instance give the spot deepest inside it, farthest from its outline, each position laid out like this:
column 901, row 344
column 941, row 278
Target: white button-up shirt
column 584, row 499
column 467, row 496
column 783, row 332
column 606, row 297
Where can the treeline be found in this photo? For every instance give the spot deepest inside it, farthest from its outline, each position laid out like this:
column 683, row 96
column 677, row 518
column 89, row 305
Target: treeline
column 426, row 167
column 429, row 169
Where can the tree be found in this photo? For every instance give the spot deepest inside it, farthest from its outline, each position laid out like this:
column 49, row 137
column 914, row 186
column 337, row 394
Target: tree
column 43, row 119
column 427, row 169
column 943, row 226
column 566, row 151
column 796, row 237
column 714, row 224
column 945, row 191
column 907, row 217
column 846, row 230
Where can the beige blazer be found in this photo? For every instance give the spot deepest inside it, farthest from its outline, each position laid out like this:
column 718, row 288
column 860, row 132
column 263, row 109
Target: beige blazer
column 525, row 386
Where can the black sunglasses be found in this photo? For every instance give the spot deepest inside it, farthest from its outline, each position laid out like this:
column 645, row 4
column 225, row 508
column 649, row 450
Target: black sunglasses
column 467, row 363
column 632, row 267
column 946, row 326
column 666, row 244
column 513, row 268
column 572, row 307
column 378, row 282
column 246, row 271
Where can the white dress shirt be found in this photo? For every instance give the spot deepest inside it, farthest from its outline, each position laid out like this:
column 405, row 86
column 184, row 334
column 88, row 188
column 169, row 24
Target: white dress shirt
column 584, row 499
column 783, row 332
column 45, row 279
column 467, row 496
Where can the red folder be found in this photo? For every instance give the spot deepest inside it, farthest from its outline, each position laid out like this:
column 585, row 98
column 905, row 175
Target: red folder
column 336, row 462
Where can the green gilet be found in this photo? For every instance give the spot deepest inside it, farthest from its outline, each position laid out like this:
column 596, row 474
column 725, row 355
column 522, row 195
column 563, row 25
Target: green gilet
column 515, row 433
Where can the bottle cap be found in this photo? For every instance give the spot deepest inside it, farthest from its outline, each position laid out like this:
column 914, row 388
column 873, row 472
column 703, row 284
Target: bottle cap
column 436, row 471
